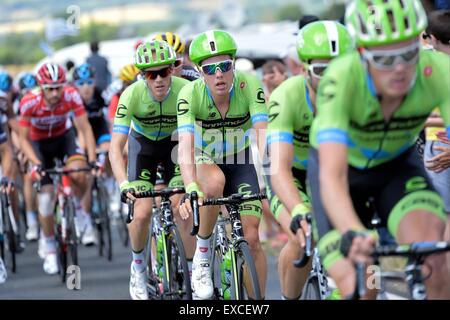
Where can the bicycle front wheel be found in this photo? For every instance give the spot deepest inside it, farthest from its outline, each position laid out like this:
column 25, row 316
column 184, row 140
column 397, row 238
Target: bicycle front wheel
column 104, row 226
column 9, row 233
column 311, row 290
column 179, row 280
column 243, row 267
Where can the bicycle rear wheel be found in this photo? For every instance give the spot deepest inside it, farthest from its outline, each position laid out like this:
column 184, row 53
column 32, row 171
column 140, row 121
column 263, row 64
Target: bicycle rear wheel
column 71, row 232
column 311, row 290
column 179, row 280
column 243, row 264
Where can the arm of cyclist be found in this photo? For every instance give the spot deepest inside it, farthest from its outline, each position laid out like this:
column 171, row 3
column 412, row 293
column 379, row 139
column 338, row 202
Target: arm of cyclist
column 118, row 141
column 25, row 144
column 283, row 184
column 337, row 202
column 82, row 124
column 186, row 148
column 7, row 159
column 186, row 159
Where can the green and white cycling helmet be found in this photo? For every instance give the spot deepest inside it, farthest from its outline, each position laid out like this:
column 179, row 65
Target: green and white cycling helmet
column 323, row 40
column 210, row 44
column 381, row 22
column 154, row 54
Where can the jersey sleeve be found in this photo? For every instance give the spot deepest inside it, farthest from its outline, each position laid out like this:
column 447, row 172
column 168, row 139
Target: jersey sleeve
column 124, row 112
column 281, row 120
column 185, row 109
column 255, row 93
column 333, row 101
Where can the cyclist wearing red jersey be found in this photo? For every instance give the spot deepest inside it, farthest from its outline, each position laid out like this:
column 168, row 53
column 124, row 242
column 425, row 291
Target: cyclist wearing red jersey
column 44, row 136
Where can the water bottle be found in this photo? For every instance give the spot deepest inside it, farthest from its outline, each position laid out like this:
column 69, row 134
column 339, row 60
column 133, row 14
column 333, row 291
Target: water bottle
column 225, row 272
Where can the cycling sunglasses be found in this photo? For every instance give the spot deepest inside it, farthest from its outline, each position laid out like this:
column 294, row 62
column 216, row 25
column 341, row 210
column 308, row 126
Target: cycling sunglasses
column 50, row 87
column 82, row 82
column 388, row 59
column 153, row 74
column 223, row 66
column 318, row 69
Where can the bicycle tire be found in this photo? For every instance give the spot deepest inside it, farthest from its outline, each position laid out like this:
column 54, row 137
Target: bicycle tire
column 179, row 282
column 242, row 258
column 2, row 231
column 103, row 225
column 122, row 227
column 10, row 235
column 153, row 278
column 73, row 240
column 311, row 290
column 216, row 259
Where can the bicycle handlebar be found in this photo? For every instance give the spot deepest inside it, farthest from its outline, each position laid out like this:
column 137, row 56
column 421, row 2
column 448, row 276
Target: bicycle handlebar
column 234, row 199
column 416, row 251
column 165, row 193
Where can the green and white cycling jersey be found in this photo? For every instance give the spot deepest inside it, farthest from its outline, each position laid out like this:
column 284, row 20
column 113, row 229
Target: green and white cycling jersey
column 153, row 119
column 290, row 118
column 349, row 112
column 215, row 136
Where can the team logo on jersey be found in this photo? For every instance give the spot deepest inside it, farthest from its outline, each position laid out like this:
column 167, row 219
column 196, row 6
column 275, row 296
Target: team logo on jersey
column 427, row 71
column 242, row 85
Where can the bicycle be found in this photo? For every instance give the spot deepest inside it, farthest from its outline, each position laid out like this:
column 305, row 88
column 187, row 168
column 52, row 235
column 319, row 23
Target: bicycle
column 416, row 253
column 8, row 231
column 316, row 285
column 166, row 264
column 66, row 233
column 100, row 215
column 234, row 251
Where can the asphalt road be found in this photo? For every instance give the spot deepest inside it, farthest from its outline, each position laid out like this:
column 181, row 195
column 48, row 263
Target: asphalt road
column 100, row 279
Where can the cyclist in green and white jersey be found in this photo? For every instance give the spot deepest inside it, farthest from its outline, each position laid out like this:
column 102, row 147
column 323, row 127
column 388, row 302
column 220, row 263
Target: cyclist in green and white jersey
column 146, row 117
column 291, row 112
column 219, row 110
column 371, row 106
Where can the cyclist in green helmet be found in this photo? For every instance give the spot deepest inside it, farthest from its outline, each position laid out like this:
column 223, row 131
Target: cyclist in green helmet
column 220, row 111
column 146, row 117
column 371, row 106
column 291, row 111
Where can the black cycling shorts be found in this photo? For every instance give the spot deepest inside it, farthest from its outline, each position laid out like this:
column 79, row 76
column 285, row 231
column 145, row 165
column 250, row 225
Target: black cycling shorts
column 144, row 156
column 62, row 148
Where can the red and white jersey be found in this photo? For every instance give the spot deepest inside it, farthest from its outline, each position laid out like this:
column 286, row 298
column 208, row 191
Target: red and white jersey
column 46, row 122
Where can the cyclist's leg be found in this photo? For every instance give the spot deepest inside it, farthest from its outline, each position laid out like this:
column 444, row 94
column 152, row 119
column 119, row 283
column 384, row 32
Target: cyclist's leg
column 241, row 177
column 46, row 151
column 211, row 180
column 142, row 165
column 417, row 214
column 292, row 279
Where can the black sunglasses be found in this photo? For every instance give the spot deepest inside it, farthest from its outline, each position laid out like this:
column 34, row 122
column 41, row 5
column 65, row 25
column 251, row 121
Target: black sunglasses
column 154, row 74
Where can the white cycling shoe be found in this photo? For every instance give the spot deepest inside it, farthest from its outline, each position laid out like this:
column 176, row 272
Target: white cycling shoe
column 89, row 237
column 138, row 284
column 201, row 281
column 51, row 263
column 32, row 233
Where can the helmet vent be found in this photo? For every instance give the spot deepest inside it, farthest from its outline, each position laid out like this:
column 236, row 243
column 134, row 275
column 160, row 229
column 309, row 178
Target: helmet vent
column 212, row 45
column 333, row 46
column 361, row 24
